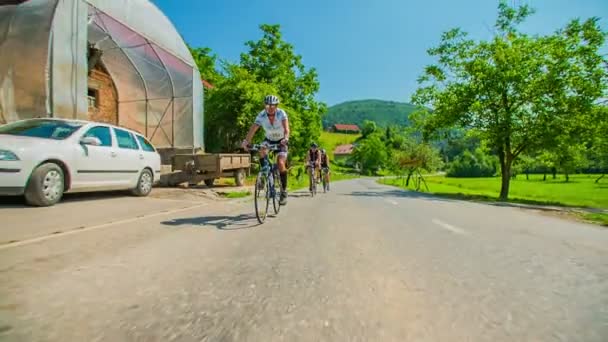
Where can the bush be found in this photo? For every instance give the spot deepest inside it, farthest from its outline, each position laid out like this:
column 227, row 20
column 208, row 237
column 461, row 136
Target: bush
column 472, row 164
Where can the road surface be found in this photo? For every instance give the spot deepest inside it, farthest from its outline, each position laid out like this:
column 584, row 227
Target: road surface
column 365, row 262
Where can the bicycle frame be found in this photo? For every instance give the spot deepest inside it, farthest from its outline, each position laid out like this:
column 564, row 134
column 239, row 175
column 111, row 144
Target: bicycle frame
column 268, row 178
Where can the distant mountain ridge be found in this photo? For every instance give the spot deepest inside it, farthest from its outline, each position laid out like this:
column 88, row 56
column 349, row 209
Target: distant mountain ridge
column 384, row 113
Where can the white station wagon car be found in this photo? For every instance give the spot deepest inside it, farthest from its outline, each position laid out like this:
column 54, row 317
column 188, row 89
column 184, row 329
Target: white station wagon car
column 43, row 158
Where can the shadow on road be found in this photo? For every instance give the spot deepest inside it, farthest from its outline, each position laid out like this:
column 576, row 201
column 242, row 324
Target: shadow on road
column 242, row 221
column 398, row 193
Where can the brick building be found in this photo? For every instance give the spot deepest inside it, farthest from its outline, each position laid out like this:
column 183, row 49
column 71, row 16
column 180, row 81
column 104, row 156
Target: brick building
column 102, row 96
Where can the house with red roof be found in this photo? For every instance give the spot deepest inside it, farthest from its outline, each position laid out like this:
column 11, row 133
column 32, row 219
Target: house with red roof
column 343, row 154
column 343, row 128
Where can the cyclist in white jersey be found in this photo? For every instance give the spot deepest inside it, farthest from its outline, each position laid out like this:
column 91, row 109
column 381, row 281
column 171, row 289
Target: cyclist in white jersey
column 276, row 127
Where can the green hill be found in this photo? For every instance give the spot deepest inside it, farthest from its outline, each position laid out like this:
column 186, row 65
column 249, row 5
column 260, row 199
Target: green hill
column 382, row 112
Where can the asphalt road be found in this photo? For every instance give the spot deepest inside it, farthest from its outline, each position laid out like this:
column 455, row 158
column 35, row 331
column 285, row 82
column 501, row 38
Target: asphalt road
column 363, row 263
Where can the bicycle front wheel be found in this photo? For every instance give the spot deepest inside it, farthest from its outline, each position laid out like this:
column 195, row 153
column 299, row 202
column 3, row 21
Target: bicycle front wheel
column 312, row 182
column 262, row 197
column 276, row 191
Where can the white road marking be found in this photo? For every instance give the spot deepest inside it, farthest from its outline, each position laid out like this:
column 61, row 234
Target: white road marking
column 391, row 202
column 449, row 227
column 95, row 227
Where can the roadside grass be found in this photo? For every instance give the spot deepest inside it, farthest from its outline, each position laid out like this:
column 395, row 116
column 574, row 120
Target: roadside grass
column 237, row 194
column 580, row 191
column 598, row 218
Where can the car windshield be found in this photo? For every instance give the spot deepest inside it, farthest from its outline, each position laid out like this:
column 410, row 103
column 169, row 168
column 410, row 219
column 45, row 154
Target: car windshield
column 47, row 129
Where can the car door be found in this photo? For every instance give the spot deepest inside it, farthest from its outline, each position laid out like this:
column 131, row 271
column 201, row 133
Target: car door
column 94, row 163
column 128, row 157
column 151, row 158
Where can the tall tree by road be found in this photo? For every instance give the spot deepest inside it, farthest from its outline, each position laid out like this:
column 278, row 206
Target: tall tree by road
column 521, row 92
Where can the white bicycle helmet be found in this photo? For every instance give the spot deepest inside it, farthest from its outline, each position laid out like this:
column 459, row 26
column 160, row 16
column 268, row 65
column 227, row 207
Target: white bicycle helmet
column 271, row 100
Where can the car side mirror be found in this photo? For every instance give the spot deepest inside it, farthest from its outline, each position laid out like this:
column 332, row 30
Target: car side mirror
column 94, row 141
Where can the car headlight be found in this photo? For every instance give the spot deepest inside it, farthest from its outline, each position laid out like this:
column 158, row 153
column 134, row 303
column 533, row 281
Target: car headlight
column 7, row 155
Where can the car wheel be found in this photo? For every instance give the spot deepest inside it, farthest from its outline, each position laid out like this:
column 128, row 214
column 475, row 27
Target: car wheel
column 144, row 184
column 46, row 185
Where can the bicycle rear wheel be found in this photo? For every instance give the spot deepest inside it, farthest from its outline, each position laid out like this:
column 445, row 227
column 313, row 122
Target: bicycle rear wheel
column 262, row 197
column 324, row 183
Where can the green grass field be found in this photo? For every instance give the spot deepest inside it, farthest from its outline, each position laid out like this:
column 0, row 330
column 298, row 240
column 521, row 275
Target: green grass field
column 581, row 191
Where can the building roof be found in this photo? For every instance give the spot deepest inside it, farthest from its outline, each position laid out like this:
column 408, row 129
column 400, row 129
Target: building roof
column 144, row 17
column 342, row 127
column 344, row 149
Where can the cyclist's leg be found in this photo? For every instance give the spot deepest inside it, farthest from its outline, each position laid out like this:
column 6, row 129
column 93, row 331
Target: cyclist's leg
column 309, row 171
column 318, row 173
column 282, row 163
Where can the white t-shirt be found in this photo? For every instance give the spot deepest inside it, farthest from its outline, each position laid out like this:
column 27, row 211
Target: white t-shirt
column 275, row 131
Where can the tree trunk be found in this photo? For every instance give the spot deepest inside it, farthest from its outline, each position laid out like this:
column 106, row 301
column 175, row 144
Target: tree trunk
column 554, row 171
column 544, row 177
column 506, row 160
column 527, row 175
column 567, row 178
column 506, row 180
column 407, row 182
column 598, row 180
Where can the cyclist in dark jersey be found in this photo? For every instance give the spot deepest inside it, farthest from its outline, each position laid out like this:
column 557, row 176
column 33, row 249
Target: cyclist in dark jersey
column 325, row 165
column 313, row 157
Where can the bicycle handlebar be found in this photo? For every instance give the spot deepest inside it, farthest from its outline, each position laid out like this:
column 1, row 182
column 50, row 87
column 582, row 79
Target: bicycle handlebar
column 271, row 147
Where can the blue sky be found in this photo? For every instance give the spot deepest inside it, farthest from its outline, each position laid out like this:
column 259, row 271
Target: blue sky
column 361, row 49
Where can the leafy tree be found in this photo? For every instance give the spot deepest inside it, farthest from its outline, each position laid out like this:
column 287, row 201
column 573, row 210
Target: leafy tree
column 369, row 127
column 472, row 164
column 413, row 158
column 206, row 62
column 569, row 158
column 547, row 162
column 232, row 107
column 273, row 61
column 270, row 66
column 520, row 92
column 371, row 153
column 525, row 164
column 599, row 144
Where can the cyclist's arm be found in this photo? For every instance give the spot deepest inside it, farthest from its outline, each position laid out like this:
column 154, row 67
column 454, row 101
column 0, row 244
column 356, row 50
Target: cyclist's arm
column 254, row 128
column 286, row 128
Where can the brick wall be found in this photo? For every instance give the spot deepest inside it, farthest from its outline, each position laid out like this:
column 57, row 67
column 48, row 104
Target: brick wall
column 102, row 87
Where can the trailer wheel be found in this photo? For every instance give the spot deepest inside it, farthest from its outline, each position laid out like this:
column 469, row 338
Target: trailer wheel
column 209, row 182
column 239, row 177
